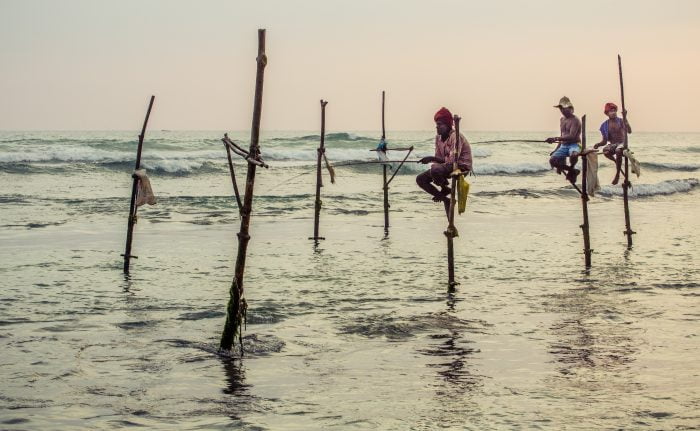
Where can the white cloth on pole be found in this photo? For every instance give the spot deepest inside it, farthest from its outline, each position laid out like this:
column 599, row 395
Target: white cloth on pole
column 144, row 194
column 592, row 181
column 636, row 166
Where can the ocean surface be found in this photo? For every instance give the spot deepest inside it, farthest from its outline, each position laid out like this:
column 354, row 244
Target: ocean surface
column 359, row 332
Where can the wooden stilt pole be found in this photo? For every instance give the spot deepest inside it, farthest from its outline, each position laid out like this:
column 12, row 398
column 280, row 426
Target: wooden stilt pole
column 319, row 179
column 451, row 230
column 134, row 188
column 237, row 306
column 626, row 184
column 584, row 197
column 384, row 177
column 386, row 200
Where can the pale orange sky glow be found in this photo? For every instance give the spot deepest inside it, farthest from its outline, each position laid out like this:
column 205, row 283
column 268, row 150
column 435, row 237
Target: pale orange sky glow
column 85, row 64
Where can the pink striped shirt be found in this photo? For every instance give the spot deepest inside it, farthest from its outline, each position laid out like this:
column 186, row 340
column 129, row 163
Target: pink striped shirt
column 445, row 150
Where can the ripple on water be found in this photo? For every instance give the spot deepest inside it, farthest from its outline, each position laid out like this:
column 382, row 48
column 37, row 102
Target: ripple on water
column 253, row 344
column 396, row 328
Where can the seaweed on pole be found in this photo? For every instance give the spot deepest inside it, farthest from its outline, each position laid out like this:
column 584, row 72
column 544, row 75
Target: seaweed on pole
column 237, row 306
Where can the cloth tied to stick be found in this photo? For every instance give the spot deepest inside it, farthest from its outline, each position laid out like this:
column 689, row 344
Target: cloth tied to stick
column 636, row 166
column 145, row 192
column 381, row 151
column 462, row 193
column 331, row 171
column 592, row 181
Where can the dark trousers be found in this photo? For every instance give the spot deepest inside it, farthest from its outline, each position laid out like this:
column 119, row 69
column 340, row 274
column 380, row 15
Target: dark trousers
column 438, row 174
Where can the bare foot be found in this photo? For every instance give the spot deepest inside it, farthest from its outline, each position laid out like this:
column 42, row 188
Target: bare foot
column 572, row 175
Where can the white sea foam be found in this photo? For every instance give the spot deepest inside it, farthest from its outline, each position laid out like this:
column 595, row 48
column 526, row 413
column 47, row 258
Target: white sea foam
column 688, row 167
column 667, row 187
column 66, row 154
column 503, row 169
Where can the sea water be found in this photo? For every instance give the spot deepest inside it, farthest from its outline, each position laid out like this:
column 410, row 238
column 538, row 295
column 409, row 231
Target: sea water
column 359, row 332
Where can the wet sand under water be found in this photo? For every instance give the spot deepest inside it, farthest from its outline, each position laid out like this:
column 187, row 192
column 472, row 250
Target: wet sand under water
column 359, row 333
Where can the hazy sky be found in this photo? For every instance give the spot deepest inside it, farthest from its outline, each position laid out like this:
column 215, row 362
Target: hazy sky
column 92, row 64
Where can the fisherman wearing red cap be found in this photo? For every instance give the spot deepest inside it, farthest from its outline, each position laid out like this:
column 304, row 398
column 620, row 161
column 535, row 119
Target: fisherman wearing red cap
column 441, row 167
column 614, row 130
column 568, row 142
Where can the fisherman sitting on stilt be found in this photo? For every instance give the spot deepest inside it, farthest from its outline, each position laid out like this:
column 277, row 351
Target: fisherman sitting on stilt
column 441, row 167
column 614, row 130
column 569, row 140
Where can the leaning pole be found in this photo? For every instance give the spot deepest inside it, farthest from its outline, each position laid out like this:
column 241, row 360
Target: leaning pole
column 626, row 184
column 236, row 310
column 584, row 197
column 134, row 190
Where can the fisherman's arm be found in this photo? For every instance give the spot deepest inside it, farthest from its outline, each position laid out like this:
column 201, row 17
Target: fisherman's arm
column 603, row 140
column 433, row 159
column 627, row 123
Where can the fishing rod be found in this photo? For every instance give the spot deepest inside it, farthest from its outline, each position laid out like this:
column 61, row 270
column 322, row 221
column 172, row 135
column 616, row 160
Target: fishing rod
column 367, row 162
column 539, row 141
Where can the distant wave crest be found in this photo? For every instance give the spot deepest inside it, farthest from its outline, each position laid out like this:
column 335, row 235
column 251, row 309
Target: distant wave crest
column 656, row 166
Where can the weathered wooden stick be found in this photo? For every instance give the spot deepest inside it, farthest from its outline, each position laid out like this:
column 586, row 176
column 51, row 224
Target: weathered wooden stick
column 584, row 197
column 385, row 183
column 319, row 179
column 451, row 230
column 396, row 171
column 134, row 189
column 257, row 160
column 237, row 306
column 233, row 179
column 241, row 151
column 626, row 183
column 383, row 127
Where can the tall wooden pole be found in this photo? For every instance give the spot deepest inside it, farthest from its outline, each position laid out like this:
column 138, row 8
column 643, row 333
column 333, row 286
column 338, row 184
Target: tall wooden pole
column 236, row 309
column 626, row 183
column 319, row 178
column 134, row 189
column 451, row 231
column 584, row 197
column 384, row 176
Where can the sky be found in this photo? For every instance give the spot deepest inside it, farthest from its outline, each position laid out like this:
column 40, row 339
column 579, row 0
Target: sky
column 501, row 65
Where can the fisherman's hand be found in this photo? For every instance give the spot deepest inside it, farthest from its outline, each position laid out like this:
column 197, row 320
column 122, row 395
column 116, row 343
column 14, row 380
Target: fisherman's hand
column 427, row 159
column 550, row 140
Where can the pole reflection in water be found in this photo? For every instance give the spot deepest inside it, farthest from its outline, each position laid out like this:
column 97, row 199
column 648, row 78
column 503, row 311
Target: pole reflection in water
column 594, row 340
column 238, row 400
column 450, row 349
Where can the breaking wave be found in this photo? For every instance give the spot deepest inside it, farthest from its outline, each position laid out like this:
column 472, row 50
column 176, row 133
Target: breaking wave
column 685, row 167
column 340, row 136
column 503, row 169
column 667, row 187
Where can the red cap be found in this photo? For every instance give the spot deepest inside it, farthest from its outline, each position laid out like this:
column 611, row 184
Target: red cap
column 444, row 116
column 609, row 107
